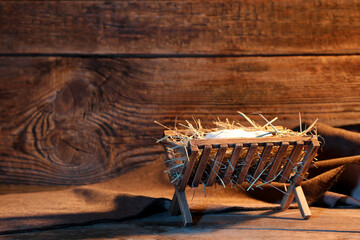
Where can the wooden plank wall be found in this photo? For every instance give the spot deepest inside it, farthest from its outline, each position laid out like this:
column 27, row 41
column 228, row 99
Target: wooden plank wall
column 81, row 82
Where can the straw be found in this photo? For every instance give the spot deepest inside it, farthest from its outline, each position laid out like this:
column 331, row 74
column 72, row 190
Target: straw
column 194, row 130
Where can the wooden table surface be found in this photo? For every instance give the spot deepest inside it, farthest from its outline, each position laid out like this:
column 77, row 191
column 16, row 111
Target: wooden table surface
column 324, row 224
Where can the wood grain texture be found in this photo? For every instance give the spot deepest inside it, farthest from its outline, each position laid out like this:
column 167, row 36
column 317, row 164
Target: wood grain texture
column 82, row 120
column 185, row 27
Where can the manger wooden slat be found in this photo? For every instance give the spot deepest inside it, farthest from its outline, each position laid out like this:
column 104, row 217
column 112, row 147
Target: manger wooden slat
column 189, row 167
column 216, row 165
column 180, row 27
column 202, row 165
column 247, row 162
column 301, row 173
column 277, row 161
column 307, row 160
column 292, row 161
column 232, row 163
column 263, row 160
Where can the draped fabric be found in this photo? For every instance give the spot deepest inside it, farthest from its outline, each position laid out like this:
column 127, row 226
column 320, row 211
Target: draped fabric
column 333, row 180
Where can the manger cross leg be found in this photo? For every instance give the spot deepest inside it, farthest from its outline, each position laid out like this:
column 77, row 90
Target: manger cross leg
column 179, row 202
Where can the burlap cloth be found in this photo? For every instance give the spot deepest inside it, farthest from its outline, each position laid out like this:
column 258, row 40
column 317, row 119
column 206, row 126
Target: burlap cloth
column 147, row 190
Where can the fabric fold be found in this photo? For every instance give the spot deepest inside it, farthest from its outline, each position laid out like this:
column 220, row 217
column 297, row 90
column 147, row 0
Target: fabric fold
column 147, row 190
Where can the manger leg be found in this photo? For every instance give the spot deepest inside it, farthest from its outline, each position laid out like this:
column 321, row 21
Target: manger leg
column 174, row 207
column 288, row 198
column 295, row 188
column 184, row 208
column 301, row 201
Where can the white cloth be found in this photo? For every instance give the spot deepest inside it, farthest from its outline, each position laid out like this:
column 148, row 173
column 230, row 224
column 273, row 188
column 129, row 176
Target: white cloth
column 236, row 133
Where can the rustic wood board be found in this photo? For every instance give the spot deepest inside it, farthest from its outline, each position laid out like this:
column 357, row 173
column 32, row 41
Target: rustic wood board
column 82, row 120
column 324, row 224
column 261, row 27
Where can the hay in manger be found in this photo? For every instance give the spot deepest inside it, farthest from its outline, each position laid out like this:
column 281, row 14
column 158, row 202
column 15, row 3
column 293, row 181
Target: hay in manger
column 232, row 154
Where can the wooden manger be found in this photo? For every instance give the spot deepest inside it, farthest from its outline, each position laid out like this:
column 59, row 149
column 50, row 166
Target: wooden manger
column 234, row 161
